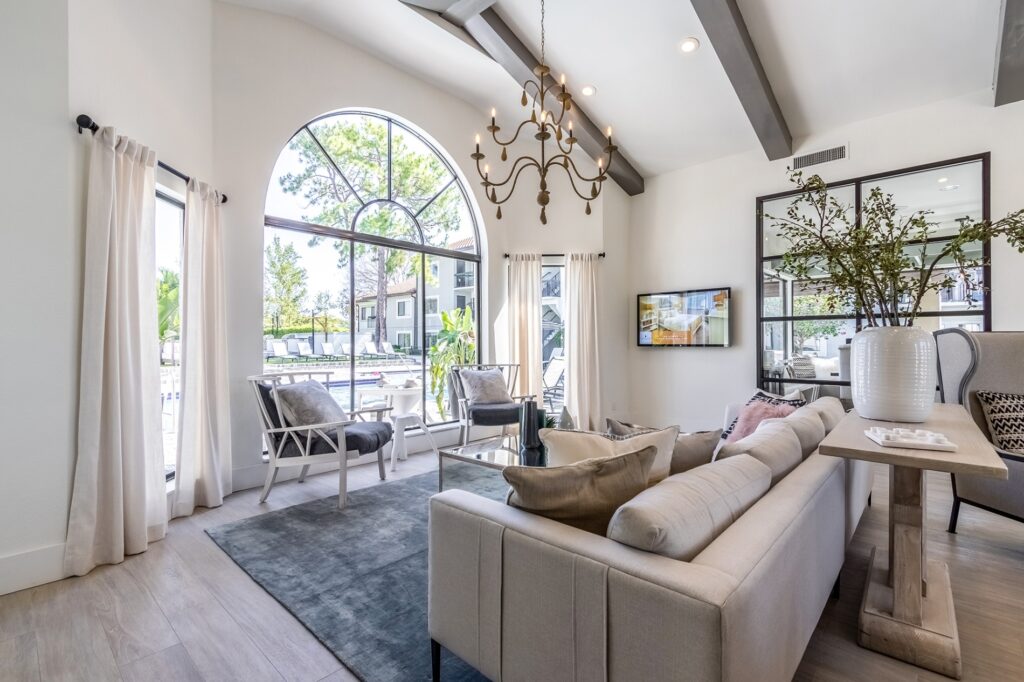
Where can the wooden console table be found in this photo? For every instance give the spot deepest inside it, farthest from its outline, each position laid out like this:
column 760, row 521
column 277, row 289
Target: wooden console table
column 907, row 608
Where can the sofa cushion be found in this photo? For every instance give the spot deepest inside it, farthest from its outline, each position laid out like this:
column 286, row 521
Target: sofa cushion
column 753, row 413
column 567, row 447
column 308, row 402
column 775, row 445
column 808, row 427
column 584, row 494
column 683, row 514
column 831, row 411
column 796, row 399
column 694, row 449
column 485, row 386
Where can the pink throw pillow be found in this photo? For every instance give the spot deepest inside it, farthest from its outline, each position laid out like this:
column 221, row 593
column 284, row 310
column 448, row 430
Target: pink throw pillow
column 753, row 414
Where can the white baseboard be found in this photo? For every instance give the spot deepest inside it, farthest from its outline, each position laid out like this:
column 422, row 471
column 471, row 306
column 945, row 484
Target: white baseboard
column 34, row 567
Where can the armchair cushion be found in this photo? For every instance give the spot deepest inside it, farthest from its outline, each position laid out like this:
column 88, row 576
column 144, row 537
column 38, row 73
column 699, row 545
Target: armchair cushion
column 309, row 402
column 362, row 437
column 485, row 386
column 584, row 494
column 494, row 414
column 1004, row 413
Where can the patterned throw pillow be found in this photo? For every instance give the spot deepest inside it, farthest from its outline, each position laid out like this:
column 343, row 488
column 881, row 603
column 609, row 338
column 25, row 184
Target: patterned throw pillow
column 796, row 399
column 1004, row 413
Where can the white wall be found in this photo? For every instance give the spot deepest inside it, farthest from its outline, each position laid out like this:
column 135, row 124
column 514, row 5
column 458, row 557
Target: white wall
column 694, row 228
column 271, row 75
column 143, row 66
column 39, row 282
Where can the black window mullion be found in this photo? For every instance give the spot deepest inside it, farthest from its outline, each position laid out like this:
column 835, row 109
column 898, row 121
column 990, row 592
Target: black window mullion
column 352, row 322
column 391, row 194
column 423, row 334
column 434, row 198
column 330, row 160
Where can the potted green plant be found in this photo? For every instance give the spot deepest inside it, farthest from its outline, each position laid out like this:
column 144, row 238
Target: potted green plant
column 879, row 263
column 455, row 345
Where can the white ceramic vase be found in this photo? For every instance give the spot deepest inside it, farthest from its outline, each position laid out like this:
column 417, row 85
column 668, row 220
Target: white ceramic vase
column 893, row 373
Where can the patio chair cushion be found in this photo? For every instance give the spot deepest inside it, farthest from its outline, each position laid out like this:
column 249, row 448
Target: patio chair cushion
column 485, row 386
column 494, row 414
column 363, row 437
column 309, row 402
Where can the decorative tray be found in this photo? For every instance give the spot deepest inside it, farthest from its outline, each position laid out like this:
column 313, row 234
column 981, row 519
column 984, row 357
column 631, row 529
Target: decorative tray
column 913, row 439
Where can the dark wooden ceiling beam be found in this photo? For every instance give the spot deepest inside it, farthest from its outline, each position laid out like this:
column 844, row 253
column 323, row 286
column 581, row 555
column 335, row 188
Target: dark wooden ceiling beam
column 728, row 33
column 504, row 47
column 1010, row 56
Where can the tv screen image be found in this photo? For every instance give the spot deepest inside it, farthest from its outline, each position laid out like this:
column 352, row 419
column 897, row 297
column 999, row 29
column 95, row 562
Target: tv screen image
column 697, row 317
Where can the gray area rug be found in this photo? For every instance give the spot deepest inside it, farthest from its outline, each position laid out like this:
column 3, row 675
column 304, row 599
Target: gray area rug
column 357, row 577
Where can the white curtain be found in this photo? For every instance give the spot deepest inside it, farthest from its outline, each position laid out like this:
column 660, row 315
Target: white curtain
column 203, row 471
column 118, row 501
column 582, row 385
column 524, row 322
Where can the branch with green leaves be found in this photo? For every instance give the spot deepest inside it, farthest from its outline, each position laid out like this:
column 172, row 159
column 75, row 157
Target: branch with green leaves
column 877, row 262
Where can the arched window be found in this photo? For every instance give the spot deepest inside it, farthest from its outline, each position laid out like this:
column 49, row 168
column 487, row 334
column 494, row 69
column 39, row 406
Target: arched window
column 371, row 262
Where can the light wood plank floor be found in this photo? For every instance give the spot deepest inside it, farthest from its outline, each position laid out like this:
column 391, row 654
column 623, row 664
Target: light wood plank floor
column 184, row 611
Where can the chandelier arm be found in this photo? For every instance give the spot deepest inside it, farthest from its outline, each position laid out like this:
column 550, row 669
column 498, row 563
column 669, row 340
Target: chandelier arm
column 597, row 178
column 515, row 181
column 572, row 182
column 494, row 134
column 565, row 150
column 516, row 168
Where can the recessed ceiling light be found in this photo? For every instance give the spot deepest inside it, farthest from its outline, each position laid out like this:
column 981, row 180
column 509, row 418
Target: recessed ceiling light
column 689, row 45
column 941, row 180
column 588, row 90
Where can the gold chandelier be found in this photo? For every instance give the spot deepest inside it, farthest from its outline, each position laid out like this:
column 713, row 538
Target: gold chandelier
column 547, row 126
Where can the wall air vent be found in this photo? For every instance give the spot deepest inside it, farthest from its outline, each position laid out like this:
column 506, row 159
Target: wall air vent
column 814, row 158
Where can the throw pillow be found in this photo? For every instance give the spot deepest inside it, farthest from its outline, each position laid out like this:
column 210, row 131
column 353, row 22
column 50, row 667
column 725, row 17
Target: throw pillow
column 617, row 428
column 774, row 445
column 694, row 449
column 485, row 386
column 807, row 425
column 831, row 411
column 584, row 494
column 683, row 514
column 308, row 402
column 796, row 399
column 568, row 447
column 753, row 414
column 1004, row 413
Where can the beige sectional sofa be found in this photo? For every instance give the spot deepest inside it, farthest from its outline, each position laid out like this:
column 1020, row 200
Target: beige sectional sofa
column 521, row 597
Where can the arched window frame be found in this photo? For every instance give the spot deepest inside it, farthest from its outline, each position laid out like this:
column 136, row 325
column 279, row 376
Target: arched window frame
column 351, row 234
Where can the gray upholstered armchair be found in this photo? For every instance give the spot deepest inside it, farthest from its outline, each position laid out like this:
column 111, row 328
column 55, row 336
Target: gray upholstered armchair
column 983, row 361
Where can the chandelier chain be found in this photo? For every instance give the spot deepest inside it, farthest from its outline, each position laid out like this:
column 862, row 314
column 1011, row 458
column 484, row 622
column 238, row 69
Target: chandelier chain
column 542, row 32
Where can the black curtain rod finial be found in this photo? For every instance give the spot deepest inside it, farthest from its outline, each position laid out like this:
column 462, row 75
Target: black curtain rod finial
column 85, row 122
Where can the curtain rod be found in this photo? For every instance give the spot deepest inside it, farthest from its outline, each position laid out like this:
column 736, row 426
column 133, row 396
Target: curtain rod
column 558, row 255
column 85, row 122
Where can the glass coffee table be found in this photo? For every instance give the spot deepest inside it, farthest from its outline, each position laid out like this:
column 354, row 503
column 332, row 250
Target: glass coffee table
column 492, row 453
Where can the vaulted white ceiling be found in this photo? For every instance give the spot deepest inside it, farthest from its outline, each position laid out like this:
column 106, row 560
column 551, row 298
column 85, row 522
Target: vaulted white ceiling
column 829, row 63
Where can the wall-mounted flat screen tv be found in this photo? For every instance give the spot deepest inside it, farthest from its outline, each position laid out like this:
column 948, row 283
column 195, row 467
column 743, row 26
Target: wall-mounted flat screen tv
column 698, row 318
